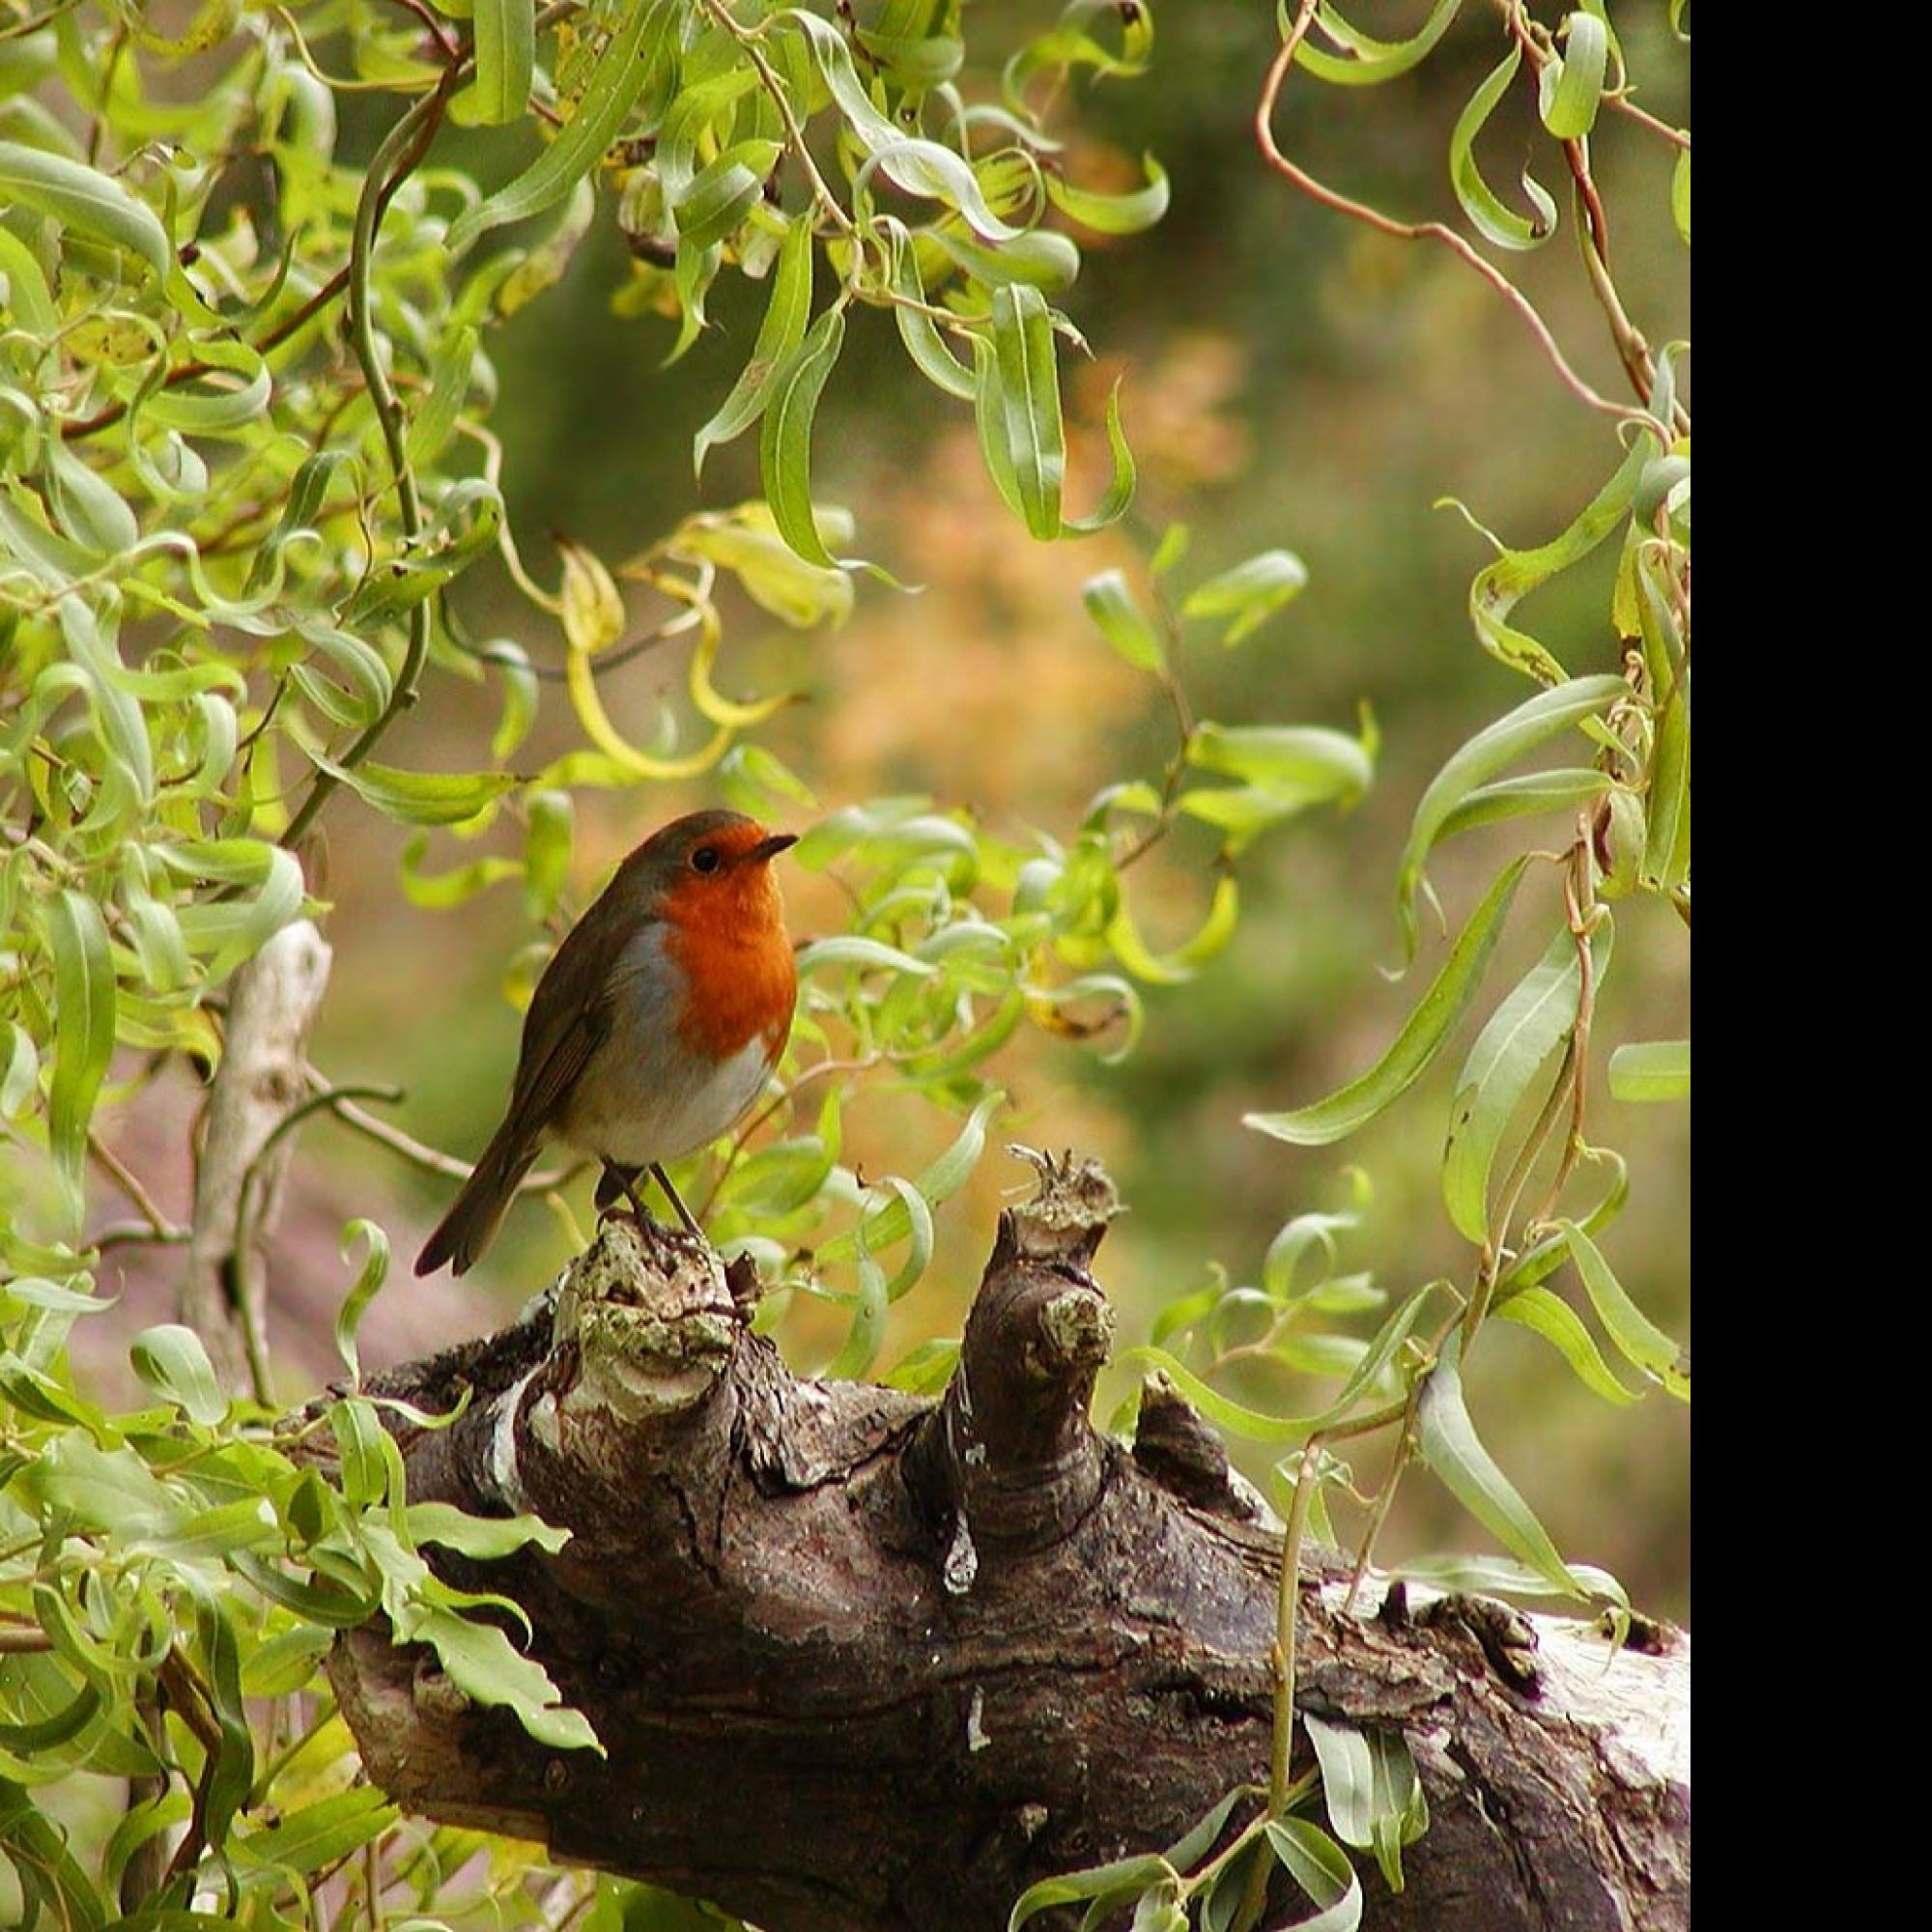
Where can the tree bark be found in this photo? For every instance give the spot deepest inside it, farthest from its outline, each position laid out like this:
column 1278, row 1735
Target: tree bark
column 863, row 1661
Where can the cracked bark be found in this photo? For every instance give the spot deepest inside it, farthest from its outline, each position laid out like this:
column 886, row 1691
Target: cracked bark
column 862, row 1662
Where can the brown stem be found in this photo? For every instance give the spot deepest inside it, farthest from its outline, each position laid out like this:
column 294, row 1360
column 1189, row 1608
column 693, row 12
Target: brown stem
column 1414, row 231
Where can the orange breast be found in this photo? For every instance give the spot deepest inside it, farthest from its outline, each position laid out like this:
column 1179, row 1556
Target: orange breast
column 728, row 935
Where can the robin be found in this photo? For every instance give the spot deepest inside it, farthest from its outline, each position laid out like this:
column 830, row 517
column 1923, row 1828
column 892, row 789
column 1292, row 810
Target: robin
column 654, row 1026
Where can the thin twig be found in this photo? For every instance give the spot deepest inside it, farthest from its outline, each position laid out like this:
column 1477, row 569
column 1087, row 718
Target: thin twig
column 125, row 1179
column 1415, row 231
column 396, row 159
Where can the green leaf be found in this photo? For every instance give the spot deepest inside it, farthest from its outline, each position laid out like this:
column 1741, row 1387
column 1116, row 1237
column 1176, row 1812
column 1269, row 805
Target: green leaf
column 227, row 931
column 1422, row 1035
column 1045, row 260
column 1321, row 1867
column 723, row 192
column 1120, row 1883
column 1488, row 213
column 55, row 1888
column 1680, row 195
column 937, row 1183
column 371, row 1276
column 1126, row 214
column 1017, row 405
column 1556, row 1321
column 506, row 59
column 1498, row 589
column 22, row 1078
column 1368, row 62
column 482, row 1537
column 1522, row 797
column 1113, row 607
column 919, row 329
column 1500, row 1575
column 319, row 1836
column 784, row 435
column 420, row 798
column 1634, row 1335
column 1537, row 1017
column 621, row 71
column 1369, row 1785
column 1571, row 86
column 1122, row 481
column 856, row 950
column 1303, row 764
column 86, row 201
column 1533, row 723
column 1651, row 1069
column 434, row 422
column 84, row 997
column 780, row 333
column 173, row 1362
column 481, row 1661
column 937, row 173
column 1667, row 846
column 1448, row 1442
column 1248, row 594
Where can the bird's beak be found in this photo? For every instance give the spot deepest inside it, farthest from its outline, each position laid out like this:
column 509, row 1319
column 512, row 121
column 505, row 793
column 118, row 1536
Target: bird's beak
column 770, row 848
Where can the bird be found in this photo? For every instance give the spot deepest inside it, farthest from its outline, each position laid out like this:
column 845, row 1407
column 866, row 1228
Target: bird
column 652, row 1030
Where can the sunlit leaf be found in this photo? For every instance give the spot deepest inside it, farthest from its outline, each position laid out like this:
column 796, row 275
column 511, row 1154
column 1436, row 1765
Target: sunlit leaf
column 84, row 996
column 780, row 333
column 1017, row 405
column 1651, row 1069
column 1537, row 1017
column 1367, row 62
column 86, row 201
column 592, row 606
column 420, row 798
column 1449, row 1444
column 1533, row 723
column 621, row 71
column 1248, row 594
column 1321, row 1867
column 173, row 1362
column 1557, row 1322
column 1113, row 608
column 1571, row 86
column 506, row 58
column 1490, row 216
column 1635, row 1336
column 784, row 435
column 1421, row 1039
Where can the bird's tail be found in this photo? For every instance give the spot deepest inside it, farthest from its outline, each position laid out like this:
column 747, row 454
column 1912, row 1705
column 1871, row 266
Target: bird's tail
column 470, row 1224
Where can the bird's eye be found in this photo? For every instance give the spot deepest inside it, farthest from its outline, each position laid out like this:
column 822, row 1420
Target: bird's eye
column 704, row 859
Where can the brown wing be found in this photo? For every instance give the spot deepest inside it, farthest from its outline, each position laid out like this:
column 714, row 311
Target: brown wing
column 569, row 1016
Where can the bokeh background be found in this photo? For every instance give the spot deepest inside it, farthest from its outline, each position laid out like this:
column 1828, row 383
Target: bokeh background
column 1289, row 379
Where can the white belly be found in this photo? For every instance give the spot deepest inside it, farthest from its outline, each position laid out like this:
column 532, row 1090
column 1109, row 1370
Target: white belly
column 637, row 1107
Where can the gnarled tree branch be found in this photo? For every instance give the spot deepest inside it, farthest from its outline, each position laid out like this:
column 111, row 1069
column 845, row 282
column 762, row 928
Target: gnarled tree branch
column 863, row 1660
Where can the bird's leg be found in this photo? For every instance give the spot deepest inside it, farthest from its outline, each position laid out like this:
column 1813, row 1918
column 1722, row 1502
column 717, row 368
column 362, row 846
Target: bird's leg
column 618, row 1183
column 671, row 1194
